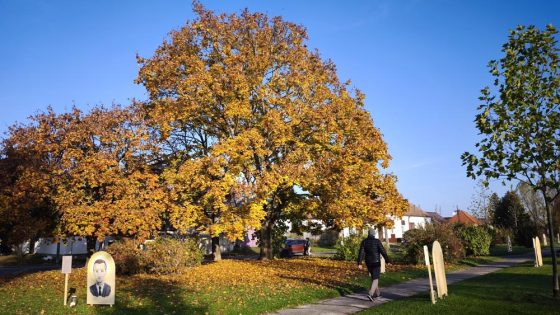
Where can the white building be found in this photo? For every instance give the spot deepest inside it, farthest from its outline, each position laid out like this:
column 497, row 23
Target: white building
column 414, row 218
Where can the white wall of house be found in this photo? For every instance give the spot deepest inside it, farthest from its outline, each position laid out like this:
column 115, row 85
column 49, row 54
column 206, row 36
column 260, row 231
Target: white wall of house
column 72, row 246
column 399, row 228
column 406, row 223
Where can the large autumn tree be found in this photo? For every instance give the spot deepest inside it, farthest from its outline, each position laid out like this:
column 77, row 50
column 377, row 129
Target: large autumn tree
column 246, row 112
column 107, row 184
column 90, row 173
column 27, row 210
column 519, row 120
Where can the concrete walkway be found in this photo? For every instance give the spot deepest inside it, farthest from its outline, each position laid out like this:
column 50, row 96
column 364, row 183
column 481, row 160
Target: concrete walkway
column 356, row 302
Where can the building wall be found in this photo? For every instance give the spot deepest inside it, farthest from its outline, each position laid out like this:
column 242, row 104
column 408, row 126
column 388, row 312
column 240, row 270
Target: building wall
column 404, row 224
column 400, row 227
column 72, row 246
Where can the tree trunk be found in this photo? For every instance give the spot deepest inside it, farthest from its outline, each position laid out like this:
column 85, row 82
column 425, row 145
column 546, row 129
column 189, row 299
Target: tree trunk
column 32, row 246
column 58, row 252
column 266, row 241
column 90, row 244
column 555, row 288
column 216, row 249
column 19, row 253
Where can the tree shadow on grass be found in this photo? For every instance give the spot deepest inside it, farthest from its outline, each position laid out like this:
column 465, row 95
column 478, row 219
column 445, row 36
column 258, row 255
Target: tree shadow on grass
column 152, row 296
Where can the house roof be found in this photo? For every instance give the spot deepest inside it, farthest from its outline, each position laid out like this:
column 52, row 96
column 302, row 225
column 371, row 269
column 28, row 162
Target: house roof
column 415, row 211
column 435, row 216
column 464, row 218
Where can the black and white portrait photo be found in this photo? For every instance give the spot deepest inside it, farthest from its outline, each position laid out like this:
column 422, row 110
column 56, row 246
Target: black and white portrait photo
column 101, row 279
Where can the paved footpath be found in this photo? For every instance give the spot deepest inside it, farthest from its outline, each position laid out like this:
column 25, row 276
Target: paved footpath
column 356, row 302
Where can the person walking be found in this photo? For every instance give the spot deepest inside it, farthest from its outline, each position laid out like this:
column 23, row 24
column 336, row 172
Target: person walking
column 371, row 250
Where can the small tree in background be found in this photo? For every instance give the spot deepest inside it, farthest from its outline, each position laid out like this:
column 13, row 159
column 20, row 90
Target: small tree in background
column 509, row 212
column 481, row 205
column 520, row 126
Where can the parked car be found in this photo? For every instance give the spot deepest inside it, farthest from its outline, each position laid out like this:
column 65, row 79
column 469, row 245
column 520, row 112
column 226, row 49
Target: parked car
column 294, row 247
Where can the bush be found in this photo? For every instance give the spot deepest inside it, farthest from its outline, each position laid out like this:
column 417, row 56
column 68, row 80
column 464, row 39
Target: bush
column 164, row 256
column 328, row 238
column 167, row 255
column 525, row 232
column 500, row 235
column 127, row 256
column 475, row 239
column 347, row 248
column 415, row 239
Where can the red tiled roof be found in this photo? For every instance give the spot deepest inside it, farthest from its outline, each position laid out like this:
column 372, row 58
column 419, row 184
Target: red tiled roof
column 464, row 218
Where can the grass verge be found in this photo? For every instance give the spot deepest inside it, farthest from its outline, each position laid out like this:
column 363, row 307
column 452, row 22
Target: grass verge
column 227, row 287
column 523, row 289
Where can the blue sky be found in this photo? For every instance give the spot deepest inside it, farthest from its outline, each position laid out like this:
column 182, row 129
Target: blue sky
column 421, row 65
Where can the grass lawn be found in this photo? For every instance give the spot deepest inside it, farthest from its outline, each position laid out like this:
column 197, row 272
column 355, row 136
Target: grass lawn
column 501, row 250
column 318, row 249
column 523, row 289
column 227, row 287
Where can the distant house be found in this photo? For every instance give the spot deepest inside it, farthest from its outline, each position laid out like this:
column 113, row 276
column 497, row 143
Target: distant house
column 415, row 217
column 436, row 217
column 464, row 217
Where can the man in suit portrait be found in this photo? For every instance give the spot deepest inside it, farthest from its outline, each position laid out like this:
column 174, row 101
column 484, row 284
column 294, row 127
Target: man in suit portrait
column 100, row 288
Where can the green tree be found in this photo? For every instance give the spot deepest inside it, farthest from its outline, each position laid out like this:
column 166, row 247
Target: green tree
column 511, row 215
column 493, row 202
column 480, row 205
column 533, row 203
column 520, row 126
column 508, row 212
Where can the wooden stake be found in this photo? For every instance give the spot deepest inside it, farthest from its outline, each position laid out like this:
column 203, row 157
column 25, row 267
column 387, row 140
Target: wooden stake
column 65, row 288
column 427, row 258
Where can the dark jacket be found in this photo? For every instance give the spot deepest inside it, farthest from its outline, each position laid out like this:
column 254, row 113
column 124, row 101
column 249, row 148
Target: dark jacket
column 370, row 249
column 94, row 290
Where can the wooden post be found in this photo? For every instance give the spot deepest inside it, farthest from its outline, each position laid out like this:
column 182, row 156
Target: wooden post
column 66, row 270
column 536, row 254
column 439, row 269
column 539, row 253
column 65, row 288
column 427, row 259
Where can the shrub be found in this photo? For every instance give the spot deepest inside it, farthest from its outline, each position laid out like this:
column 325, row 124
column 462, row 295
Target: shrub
column 415, row 239
column 127, row 256
column 475, row 239
column 499, row 235
column 164, row 256
column 347, row 248
column 328, row 238
column 167, row 255
column 526, row 230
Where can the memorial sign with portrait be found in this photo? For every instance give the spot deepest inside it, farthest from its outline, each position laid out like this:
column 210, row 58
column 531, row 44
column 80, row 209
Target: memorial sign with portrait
column 101, row 279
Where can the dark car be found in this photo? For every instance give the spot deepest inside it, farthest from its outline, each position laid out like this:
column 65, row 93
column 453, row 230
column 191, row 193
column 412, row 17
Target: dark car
column 294, row 247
